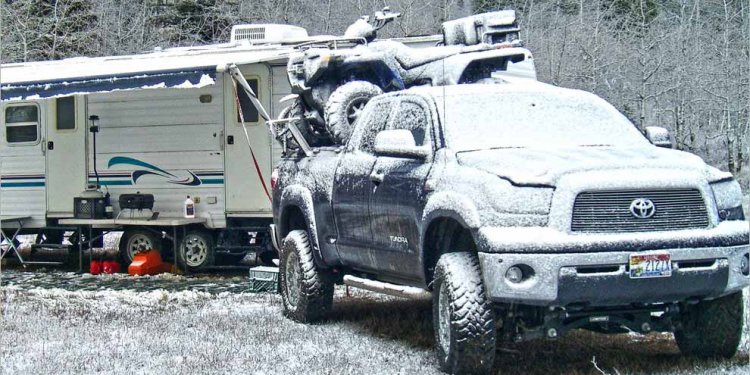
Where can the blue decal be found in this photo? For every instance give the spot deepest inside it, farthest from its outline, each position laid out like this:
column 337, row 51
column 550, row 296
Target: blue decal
column 193, row 180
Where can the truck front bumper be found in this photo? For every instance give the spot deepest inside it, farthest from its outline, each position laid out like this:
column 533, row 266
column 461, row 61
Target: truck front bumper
column 561, row 278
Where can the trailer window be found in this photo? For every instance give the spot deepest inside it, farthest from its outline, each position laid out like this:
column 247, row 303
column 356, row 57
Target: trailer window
column 249, row 112
column 66, row 113
column 22, row 124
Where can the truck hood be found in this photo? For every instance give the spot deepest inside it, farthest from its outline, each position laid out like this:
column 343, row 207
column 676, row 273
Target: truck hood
column 526, row 166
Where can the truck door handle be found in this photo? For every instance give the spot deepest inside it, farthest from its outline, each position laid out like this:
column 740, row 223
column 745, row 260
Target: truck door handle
column 50, row 145
column 377, row 177
column 230, row 139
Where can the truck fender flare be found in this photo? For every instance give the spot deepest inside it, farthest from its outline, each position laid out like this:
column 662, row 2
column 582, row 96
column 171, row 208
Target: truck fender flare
column 452, row 205
column 301, row 197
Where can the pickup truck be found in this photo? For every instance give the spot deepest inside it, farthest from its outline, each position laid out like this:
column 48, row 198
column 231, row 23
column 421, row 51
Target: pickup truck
column 527, row 211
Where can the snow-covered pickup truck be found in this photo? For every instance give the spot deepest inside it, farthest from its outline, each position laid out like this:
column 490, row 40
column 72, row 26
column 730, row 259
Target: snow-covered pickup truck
column 527, row 210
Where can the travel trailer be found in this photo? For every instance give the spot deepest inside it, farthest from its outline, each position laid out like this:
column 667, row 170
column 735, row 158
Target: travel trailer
column 84, row 138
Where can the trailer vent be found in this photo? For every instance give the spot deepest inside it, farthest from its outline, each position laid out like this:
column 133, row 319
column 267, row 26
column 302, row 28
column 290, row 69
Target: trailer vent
column 267, row 33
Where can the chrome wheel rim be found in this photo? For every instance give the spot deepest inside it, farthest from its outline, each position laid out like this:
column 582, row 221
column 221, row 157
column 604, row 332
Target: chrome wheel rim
column 444, row 319
column 195, row 249
column 292, row 270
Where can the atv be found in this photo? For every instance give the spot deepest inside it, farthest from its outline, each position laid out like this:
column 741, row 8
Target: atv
column 334, row 79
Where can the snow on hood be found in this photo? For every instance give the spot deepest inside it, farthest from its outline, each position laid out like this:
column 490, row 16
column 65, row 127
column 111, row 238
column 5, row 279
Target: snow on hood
column 529, row 166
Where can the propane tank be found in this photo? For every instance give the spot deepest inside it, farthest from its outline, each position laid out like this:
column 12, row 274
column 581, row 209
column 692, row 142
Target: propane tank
column 189, row 210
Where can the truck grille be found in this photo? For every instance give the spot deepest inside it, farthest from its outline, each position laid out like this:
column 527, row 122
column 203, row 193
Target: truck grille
column 609, row 211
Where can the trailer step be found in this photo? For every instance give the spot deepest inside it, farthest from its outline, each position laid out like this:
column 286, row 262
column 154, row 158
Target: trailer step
column 387, row 288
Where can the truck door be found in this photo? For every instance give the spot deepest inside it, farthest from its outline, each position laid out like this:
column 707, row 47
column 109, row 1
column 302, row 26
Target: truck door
column 22, row 161
column 352, row 187
column 396, row 202
column 66, row 154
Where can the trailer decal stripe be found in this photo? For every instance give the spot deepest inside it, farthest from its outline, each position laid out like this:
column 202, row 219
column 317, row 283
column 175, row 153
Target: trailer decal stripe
column 22, row 184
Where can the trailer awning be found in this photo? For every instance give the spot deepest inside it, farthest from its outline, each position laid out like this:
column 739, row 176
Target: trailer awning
column 193, row 77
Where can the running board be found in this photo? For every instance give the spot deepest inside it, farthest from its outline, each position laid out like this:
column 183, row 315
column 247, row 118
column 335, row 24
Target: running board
column 387, row 288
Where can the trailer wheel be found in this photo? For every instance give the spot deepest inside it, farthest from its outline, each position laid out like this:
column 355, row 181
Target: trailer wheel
column 463, row 316
column 344, row 106
column 712, row 328
column 196, row 250
column 135, row 240
column 307, row 292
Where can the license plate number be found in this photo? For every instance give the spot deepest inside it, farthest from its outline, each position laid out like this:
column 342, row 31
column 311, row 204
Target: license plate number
column 644, row 266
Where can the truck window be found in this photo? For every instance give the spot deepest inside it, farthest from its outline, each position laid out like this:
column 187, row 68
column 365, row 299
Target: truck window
column 375, row 119
column 22, row 123
column 66, row 113
column 413, row 117
column 249, row 112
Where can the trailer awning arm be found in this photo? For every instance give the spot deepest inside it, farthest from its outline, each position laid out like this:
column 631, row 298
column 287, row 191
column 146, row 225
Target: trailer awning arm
column 178, row 78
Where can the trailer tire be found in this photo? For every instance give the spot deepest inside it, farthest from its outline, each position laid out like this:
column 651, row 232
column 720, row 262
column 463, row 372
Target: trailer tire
column 196, row 250
column 135, row 240
column 344, row 106
column 306, row 291
column 463, row 317
column 711, row 329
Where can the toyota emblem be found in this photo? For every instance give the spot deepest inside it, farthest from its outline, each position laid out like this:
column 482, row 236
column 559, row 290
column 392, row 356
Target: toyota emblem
column 642, row 208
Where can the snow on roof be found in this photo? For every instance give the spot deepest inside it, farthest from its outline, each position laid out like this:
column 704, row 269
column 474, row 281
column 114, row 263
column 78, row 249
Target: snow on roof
column 166, row 60
column 505, row 85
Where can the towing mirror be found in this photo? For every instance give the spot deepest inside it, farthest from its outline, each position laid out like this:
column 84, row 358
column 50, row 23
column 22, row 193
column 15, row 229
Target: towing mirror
column 659, row 136
column 399, row 143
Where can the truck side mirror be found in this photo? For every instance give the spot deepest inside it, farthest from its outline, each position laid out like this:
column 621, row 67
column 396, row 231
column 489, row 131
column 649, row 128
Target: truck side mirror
column 399, row 143
column 659, row 136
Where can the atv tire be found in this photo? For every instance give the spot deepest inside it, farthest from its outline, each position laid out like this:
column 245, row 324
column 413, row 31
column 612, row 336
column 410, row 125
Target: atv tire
column 294, row 110
column 711, row 329
column 306, row 291
column 463, row 317
column 344, row 106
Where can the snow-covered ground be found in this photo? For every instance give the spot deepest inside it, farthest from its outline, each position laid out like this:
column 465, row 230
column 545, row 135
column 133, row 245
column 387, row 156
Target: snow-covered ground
column 174, row 330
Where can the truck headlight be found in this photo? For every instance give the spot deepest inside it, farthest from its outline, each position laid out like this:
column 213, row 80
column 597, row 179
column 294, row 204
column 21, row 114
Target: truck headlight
column 728, row 197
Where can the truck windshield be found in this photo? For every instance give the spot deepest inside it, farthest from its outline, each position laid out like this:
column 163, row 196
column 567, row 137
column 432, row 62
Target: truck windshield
column 526, row 120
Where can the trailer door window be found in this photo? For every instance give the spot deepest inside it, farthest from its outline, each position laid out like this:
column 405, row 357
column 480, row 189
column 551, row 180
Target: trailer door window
column 22, row 124
column 66, row 113
column 249, row 112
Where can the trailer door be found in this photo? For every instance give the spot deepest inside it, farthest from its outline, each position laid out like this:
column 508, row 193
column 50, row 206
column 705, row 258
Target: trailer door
column 247, row 158
column 22, row 161
column 66, row 154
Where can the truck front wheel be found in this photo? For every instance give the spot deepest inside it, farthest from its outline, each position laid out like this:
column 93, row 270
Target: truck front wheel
column 307, row 292
column 712, row 328
column 464, row 320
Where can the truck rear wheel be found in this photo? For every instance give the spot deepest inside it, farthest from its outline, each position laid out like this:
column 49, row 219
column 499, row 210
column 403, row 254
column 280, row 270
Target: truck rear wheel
column 344, row 106
column 307, row 292
column 712, row 328
column 464, row 320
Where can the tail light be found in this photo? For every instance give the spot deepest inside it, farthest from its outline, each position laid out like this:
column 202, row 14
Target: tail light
column 274, row 178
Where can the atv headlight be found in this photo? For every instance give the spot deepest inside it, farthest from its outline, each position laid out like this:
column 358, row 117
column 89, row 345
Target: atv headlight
column 728, row 197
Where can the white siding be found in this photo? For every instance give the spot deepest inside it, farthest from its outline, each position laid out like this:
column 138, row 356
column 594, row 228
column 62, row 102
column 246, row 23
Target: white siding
column 152, row 140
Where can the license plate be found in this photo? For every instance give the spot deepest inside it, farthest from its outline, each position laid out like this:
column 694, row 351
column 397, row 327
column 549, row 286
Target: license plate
column 644, row 266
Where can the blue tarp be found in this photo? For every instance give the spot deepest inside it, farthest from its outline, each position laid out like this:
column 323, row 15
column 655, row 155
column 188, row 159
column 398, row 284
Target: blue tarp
column 190, row 77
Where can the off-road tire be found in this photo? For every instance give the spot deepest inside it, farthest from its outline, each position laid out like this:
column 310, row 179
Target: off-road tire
column 306, row 291
column 711, row 329
column 196, row 250
column 344, row 105
column 134, row 237
column 464, row 320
